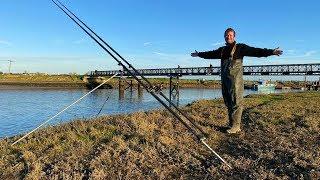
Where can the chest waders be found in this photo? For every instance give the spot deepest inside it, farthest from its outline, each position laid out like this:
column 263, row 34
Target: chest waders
column 232, row 89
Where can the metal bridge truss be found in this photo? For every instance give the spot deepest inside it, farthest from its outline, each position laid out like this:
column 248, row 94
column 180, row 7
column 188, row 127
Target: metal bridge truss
column 284, row 69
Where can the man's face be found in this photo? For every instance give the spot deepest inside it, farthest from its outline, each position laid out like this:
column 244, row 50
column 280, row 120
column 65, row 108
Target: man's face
column 229, row 37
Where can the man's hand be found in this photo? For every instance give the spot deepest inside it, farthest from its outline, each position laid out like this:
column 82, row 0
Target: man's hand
column 277, row 51
column 194, row 54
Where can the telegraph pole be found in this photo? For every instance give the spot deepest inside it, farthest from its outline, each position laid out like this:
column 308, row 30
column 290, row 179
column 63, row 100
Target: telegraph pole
column 10, row 61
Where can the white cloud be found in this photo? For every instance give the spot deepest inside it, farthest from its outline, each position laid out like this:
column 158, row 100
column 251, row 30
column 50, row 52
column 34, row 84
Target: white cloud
column 293, row 54
column 290, row 51
column 58, row 41
column 161, row 43
column 217, row 44
column 309, row 53
column 159, row 59
column 58, row 64
column 7, row 43
column 161, row 54
column 147, row 44
column 80, row 41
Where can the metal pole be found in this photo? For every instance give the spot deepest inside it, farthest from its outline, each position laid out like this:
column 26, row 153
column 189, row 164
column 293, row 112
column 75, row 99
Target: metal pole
column 170, row 89
column 9, row 66
column 178, row 91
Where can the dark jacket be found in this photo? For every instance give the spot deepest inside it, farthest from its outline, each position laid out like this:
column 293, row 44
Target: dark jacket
column 241, row 51
column 232, row 68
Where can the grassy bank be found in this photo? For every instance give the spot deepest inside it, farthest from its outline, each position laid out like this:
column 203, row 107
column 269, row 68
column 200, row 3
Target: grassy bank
column 280, row 139
column 42, row 80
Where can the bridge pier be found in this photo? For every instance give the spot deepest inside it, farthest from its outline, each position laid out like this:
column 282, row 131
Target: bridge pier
column 140, row 91
column 121, row 88
column 128, row 84
column 174, row 89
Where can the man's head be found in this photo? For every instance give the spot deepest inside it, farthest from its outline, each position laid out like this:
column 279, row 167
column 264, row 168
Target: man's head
column 229, row 35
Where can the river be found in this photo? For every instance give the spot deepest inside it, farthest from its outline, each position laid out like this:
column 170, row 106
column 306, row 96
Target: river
column 22, row 109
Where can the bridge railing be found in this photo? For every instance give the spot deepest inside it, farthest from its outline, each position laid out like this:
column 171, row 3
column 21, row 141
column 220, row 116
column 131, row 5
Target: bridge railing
column 284, row 69
column 290, row 69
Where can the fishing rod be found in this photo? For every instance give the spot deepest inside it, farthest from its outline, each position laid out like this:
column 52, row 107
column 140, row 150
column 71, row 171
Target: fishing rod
column 190, row 119
column 149, row 87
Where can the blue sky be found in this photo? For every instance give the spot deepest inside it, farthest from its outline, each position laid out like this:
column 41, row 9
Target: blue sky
column 151, row 34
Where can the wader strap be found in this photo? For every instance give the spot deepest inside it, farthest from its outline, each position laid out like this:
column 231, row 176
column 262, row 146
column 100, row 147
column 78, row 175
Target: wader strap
column 222, row 52
column 233, row 50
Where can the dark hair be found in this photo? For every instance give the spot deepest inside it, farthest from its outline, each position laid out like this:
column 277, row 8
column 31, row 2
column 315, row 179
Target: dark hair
column 228, row 30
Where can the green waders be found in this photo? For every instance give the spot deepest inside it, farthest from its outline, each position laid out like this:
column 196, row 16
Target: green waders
column 232, row 89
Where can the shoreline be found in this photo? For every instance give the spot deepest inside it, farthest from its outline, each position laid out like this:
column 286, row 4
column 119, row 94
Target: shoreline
column 73, row 81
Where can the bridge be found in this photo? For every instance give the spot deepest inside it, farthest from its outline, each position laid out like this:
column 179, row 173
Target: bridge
column 175, row 73
column 267, row 70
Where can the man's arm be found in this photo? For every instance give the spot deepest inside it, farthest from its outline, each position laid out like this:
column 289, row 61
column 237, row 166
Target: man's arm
column 214, row 54
column 259, row 52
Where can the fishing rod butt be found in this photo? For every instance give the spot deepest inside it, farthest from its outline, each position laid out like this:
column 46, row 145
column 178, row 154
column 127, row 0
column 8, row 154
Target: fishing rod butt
column 216, row 154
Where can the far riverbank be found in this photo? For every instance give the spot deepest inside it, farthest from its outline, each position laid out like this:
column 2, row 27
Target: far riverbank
column 38, row 80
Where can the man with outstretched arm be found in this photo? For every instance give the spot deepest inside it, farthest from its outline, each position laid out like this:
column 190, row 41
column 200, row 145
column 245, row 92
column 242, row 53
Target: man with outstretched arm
column 231, row 56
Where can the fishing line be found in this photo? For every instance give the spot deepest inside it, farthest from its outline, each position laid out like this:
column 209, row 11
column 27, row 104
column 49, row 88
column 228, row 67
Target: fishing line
column 45, row 122
column 103, row 105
